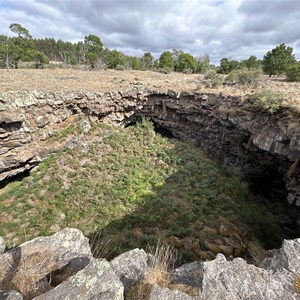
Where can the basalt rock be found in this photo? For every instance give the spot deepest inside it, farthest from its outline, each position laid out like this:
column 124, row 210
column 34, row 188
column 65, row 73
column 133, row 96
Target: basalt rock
column 263, row 148
column 83, row 277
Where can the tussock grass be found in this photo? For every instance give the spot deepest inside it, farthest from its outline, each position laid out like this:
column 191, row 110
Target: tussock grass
column 162, row 261
column 133, row 186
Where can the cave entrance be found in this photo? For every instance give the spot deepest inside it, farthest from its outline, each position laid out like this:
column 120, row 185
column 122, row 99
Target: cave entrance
column 157, row 128
column 17, row 177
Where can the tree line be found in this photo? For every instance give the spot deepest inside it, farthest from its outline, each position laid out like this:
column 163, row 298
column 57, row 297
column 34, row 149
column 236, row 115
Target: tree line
column 91, row 52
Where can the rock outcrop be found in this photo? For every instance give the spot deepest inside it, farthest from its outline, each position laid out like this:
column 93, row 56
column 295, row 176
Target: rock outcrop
column 263, row 148
column 63, row 268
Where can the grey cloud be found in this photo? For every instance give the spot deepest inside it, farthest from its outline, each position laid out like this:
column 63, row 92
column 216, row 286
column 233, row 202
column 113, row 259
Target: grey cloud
column 230, row 28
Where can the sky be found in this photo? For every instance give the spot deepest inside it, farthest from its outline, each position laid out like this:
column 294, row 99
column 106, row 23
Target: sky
column 234, row 29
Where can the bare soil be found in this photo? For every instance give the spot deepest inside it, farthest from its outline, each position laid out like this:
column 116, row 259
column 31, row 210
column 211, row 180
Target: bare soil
column 49, row 80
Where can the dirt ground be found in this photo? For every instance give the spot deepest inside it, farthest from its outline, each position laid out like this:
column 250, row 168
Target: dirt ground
column 109, row 80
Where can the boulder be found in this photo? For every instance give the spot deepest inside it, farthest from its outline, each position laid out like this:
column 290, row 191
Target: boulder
column 96, row 281
column 158, row 292
column 26, row 268
column 236, row 279
column 287, row 257
column 131, row 266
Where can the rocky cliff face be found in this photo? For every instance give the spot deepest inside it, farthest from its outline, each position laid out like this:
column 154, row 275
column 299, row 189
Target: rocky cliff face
column 263, row 148
column 62, row 267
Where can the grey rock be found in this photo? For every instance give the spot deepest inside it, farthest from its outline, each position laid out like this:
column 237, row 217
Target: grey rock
column 10, row 295
column 160, row 293
column 85, row 125
column 2, row 245
column 236, row 279
column 287, row 257
column 189, row 274
column 96, row 281
column 131, row 266
column 42, row 256
column 41, row 121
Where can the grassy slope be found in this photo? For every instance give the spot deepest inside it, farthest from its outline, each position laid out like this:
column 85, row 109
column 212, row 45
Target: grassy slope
column 131, row 187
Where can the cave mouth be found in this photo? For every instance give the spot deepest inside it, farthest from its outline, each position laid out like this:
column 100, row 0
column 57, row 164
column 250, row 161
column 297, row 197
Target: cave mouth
column 268, row 188
column 157, row 128
column 14, row 178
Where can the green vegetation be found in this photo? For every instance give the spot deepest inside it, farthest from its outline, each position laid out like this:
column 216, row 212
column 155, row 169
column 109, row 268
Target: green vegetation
column 278, row 60
column 25, row 51
column 166, row 60
column 212, row 79
column 293, row 72
column 268, row 101
column 244, row 76
column 133, row 186
column 186, row 63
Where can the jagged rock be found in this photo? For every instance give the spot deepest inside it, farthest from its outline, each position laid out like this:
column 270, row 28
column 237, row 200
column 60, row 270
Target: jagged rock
column 287, row 257
column 236, row 279
column 158, row 292
column 2, row 245
column 96, row 281
column 25, row 268
column 10, row 295
column 131, row 266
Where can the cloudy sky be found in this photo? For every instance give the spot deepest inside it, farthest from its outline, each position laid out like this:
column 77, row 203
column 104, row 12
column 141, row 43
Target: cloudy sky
column 221, row 28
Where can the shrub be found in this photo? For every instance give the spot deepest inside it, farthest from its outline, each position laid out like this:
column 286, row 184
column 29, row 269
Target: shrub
column 244, row 76
column 268, row 101
column 120, row 67
column 187, row 71
column 293, row 72
column 165, row 70
column 212, row 79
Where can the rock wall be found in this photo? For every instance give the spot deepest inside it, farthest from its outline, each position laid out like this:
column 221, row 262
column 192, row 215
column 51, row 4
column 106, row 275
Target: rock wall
column 29, row 119
column 62, row 266
column 261, row 147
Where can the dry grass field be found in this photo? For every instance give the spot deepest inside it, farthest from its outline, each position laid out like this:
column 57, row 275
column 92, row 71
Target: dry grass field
column 109, row 80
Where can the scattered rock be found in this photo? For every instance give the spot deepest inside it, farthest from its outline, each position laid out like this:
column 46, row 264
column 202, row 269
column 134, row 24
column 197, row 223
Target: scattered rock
column 61, row 267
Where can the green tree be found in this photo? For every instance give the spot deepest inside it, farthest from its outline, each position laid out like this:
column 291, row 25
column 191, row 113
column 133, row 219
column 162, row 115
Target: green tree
column 20, row 31
column 166, row 60
column 134, row 63
column 147, row 61
column 278, row 60
column 224, row 66
column 227, row 66
column 115, row 58
column 203, row 63
column 293, row 72
column 186, row 63
column 93, row 48
column 252, row 62
column 93, row 43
